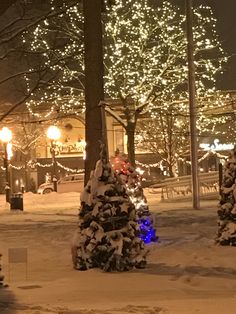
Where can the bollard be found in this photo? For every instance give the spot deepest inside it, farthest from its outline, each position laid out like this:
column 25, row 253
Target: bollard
column 8, row 193
column 54, row 180
column 22, row 188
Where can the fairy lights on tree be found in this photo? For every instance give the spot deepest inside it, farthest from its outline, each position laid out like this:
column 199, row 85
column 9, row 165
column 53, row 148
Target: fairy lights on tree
column 167, row 137
column 57, row 43
column 132, row 178
column 145, row 61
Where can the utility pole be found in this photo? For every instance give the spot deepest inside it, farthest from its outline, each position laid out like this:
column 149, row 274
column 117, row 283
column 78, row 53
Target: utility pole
column 94, row 91
column 192, row 106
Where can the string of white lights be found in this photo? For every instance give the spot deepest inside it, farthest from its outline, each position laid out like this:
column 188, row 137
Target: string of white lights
column 69, row 169
column 158, row 164
column 147, row 165
column 218, row 155
column 33, row 165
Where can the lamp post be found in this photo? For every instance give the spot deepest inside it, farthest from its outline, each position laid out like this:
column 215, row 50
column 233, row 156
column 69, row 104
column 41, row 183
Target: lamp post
column 6, row 137
column 192, row 105
column 53, row 133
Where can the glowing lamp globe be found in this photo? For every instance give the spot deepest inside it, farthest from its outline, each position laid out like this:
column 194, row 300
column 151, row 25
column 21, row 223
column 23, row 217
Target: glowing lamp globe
column 53, row 133
column 5, row 135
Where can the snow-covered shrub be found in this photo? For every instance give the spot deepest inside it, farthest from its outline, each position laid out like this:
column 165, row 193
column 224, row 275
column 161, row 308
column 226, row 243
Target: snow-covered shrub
column 227, row 206
column 107, row 234
column 1, row 276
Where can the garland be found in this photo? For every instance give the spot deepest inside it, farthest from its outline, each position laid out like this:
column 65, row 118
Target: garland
column 33, row 165
column 158, row 164
column 154, row 165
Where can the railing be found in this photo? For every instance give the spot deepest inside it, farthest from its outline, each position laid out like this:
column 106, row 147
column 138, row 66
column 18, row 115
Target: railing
column 180, row 187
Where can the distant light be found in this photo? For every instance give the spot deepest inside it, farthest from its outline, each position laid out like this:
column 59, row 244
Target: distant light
column 53, row 133
column 5, row 135
column 140, row 171
column 9, row 151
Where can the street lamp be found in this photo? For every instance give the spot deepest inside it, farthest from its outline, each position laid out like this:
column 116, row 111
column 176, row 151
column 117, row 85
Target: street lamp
column 53, row 133
column 6, row 137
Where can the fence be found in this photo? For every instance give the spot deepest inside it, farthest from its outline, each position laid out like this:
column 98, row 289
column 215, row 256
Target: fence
column 180, row 187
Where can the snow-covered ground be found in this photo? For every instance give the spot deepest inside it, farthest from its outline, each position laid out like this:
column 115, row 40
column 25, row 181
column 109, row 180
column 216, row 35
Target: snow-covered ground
column 186, row 272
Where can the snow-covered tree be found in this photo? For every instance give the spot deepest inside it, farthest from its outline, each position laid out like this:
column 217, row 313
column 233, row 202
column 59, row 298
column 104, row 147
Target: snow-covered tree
column 227, row 206
column 145, row 58
column 107, row 235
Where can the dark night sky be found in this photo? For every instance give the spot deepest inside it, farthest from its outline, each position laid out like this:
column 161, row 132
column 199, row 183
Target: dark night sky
column 225, row 12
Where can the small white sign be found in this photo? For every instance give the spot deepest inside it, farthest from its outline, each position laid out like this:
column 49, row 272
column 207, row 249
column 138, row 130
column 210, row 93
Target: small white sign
column 216, row 146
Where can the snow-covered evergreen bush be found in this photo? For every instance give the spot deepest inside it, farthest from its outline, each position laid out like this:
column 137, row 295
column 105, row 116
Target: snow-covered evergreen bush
column 227, row 211
column 107, row 233
column 1, row 276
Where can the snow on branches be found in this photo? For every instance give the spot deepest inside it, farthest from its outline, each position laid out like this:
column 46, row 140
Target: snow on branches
column 227, row 206
column 1, row 276
column 107, row 233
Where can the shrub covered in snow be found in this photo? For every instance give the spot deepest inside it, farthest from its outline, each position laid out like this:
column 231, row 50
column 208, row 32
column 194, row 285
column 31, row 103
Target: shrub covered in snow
column 1, row 276
column 227, row 206
column 107, row 232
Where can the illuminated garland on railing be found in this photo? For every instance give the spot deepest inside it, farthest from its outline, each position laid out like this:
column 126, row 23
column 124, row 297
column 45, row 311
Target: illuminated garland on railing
column 212, row 153
column 69, row 169
column 204, row 157
column 33, row 165
column 158, row 164
column 148, row 165
column 15, row 167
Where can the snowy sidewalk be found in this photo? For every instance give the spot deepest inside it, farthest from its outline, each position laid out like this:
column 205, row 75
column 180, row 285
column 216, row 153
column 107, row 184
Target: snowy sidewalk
column 186, row 272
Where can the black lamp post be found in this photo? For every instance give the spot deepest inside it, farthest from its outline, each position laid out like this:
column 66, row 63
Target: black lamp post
column 53, row 133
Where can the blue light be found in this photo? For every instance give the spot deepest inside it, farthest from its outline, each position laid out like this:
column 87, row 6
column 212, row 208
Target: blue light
column 147, row 232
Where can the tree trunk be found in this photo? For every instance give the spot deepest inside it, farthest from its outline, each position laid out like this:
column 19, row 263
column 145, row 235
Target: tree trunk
column 170, row 170
column 94, row 92
column 130, row 131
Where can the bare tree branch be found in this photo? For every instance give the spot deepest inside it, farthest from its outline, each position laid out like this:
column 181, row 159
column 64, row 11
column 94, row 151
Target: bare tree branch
column 113, row 114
